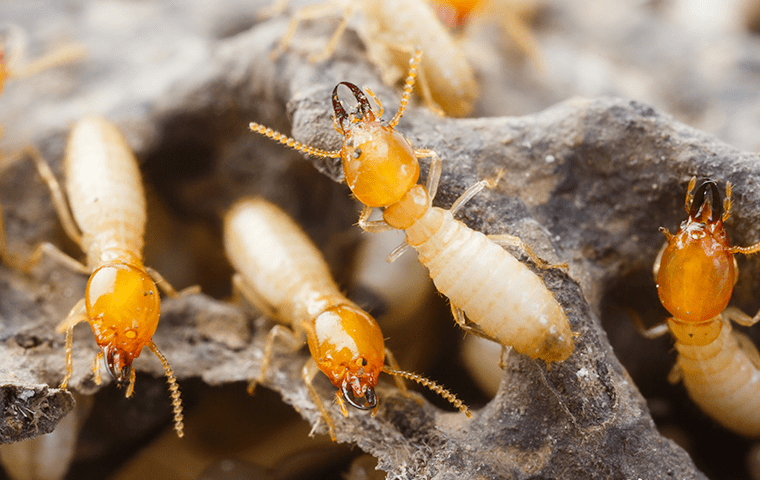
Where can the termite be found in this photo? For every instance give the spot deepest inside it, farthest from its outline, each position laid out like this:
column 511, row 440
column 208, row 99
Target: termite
column 695, row 274
column 513, row 17
column 391, row 30
column 282, row 273
column 506, row 301
column 107, row 220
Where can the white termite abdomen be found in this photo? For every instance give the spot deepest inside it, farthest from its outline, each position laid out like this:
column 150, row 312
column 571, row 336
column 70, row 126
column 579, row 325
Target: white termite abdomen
column 722, row 379
column 503, row 297
column 105, row 192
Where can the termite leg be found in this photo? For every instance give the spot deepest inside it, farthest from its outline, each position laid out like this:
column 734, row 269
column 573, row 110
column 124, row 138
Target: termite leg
column 505, row 351
column 748, row 347
column 506, row 240
column 733, row 313
column 293, row 342
column 308, row 373
column 473, row 190
column 241, row 288
column 394, row 365
column 375, row 226
column 397, row 252
column 46, row 248
column 459, row 318
column 76, row 315
column 335, row 37
column 167, row 288
column 434, row 172
column 59, row 200
column 520, row 33
column 309, row 12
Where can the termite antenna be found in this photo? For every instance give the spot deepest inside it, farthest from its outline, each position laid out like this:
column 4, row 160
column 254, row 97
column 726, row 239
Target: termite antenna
column 440, row 390
column 173, row 388
column 291, row 142
column 408, row 86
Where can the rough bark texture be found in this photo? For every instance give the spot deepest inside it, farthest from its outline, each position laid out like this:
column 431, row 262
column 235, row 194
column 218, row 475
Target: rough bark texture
column 586, row 181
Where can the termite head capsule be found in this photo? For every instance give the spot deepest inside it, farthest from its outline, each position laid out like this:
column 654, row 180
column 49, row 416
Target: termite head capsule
column 348, row 346
column 378, row 162
column 697, row 272
column 123, row 307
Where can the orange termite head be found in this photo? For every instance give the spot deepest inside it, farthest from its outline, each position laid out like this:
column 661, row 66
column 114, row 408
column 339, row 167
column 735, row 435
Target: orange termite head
column 348, row 347
column 697, row 271
column 454, row 13
column 378, row 162
column 123, row 307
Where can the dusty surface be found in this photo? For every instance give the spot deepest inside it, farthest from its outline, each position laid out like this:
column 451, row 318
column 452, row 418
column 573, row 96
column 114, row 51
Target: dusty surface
column 586, row 181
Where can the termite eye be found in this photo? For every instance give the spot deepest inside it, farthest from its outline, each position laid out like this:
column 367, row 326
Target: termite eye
column 357, row 153
column 364, row 362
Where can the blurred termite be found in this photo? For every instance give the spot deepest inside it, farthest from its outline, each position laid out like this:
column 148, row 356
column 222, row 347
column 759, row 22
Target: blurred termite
column 283, row 274
column 505, row 300
column 391, row 30
column 121, row 302
column 695, row 274
column 12, row 51
column 513, row 16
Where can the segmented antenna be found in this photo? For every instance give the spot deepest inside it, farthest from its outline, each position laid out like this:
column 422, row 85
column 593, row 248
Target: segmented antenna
column 408, row 86
column 173, row 388
column 292, row 143
column 440, row 390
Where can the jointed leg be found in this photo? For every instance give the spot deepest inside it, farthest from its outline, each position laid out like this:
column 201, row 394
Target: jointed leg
column 376, row 226
column 167, row 288
column 59, row 200
column 473, row 190
column 76, row 315
column 397, row 252
column 394, row 365
column 293, row 342
column 308, row 373
column 459, row 318
column 310, row 12
column 434, row 173
column 506, row 240
column 56, row 254
column 733, row 313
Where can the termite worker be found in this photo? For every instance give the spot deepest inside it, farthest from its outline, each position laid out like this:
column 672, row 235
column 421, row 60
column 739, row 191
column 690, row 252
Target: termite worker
column 283, row 274
column 506, row 301
column 391, row 30
column 695, row 274
column 121, row 302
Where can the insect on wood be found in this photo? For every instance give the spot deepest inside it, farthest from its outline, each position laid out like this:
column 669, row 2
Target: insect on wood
column 391, row 30
column 121, row 301
column 505, row 300
column 283, row 274
column 695, row 274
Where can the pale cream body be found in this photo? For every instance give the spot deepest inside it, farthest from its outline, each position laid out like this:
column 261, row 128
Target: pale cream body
column 507, row 301
column 105, row 193
column 723, row 380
